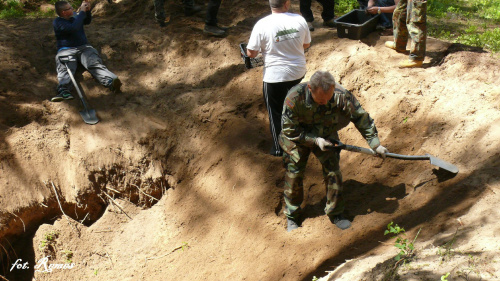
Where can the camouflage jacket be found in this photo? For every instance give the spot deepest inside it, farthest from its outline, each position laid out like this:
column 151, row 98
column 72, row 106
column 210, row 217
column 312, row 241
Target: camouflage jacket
column 303, row 120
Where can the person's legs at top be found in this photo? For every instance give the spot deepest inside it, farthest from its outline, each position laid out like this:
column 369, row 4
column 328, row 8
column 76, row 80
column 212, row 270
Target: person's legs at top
column 417, row 29
column 91, row 60
column 328, row 13
column 306, row 12
column 160, row 12
column 211, row 24
column 399, row 25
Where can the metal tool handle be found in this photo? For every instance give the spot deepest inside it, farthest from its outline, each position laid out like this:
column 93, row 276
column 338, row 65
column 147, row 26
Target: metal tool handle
column 76, row 86
column 391, row 155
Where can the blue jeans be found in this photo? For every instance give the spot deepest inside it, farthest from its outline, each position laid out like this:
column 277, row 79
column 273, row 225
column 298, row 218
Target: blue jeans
column 385, row 18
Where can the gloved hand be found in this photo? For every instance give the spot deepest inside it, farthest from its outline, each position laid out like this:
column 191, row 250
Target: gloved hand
column 323, row 144
column 381, row 151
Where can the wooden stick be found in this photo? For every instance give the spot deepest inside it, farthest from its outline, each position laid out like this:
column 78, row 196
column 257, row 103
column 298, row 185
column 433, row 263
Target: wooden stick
column 84, row 218
column 116, row 204
column 154, row 258
column 24, row 226
column 144, row 192
column 112, row 189
column 60, row 206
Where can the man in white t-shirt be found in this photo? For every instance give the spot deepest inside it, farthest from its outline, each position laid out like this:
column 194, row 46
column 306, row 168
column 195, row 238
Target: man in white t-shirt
column 282, row 38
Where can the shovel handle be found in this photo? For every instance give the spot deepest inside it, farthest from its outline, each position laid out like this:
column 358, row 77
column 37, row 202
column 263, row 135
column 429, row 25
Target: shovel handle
column 391, row 155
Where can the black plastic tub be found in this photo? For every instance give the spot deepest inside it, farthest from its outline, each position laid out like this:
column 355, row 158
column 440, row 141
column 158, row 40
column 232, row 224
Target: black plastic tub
column 356, row 24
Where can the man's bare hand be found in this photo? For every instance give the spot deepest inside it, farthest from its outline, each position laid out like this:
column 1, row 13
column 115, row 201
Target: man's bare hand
column 372, row 10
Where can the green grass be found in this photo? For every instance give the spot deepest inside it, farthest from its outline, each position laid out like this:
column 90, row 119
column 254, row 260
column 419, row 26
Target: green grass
column 345, row 6
column 11, row 9
column 473, row 22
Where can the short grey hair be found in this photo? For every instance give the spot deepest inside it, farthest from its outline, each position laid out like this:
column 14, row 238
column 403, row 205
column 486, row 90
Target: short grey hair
column 321, row 79
column 276, row 4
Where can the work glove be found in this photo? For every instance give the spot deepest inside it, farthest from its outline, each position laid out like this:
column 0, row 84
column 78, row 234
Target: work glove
column 323, row 144
column 381, row 151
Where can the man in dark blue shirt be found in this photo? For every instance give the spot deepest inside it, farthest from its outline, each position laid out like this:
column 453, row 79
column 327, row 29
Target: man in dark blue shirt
column 72, row 42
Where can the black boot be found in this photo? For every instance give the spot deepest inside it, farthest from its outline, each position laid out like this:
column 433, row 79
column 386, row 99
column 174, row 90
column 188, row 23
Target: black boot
column 214, row 30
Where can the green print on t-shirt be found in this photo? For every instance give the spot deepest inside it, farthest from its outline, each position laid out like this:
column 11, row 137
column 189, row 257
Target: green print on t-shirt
column 286, row 34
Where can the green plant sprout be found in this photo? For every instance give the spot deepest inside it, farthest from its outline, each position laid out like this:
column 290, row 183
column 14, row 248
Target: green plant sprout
column 406, row 248
column 445, row 277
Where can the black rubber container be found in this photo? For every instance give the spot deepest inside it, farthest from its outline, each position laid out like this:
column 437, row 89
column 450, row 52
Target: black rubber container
column 356, row 24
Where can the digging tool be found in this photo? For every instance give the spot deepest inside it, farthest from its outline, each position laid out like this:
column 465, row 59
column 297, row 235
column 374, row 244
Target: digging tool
column 89, row 115
column 434, row 160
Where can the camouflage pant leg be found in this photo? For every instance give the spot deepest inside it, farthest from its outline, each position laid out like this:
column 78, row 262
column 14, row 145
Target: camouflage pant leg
column 417, row 27
column 295, row 165
column 333, row 181
column 159, row 10
column 399, row 27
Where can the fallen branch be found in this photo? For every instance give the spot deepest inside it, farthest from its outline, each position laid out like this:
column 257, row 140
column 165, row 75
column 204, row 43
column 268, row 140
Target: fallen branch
column 116, row 204
column 84, row 218
column 24, row 226
column 144, row 192
column 154, row 258
column 60, row 206
column 112, row 189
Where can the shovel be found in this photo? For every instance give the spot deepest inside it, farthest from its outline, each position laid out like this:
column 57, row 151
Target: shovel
column 88, row 115
column 434, row 160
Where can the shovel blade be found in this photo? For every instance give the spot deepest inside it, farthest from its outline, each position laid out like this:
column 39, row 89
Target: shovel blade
column 89, row 116
column 443, row 164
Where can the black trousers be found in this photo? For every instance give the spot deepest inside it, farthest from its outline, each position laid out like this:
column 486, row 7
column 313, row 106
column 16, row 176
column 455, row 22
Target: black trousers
column 212, row 11
column 328, row 9
column 274, row 96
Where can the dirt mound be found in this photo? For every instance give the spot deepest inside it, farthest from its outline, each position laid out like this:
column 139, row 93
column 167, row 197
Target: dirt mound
column 175, row 180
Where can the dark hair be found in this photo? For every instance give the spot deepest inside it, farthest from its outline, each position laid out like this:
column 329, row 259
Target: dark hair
column 276, row 4
column 59, row 6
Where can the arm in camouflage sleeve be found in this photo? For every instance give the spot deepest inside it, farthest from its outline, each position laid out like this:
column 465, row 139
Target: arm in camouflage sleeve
column 291, row 128
column 361, row 119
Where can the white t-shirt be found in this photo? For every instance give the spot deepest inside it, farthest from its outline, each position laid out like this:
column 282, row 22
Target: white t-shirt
column 280, row 38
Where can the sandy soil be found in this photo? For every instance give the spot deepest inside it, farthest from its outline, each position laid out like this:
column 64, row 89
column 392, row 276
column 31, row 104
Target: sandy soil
column 174, row 182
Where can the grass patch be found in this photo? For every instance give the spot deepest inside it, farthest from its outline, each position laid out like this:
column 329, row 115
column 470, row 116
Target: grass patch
column 473, row 22
column 11, row 9
column 345, row 6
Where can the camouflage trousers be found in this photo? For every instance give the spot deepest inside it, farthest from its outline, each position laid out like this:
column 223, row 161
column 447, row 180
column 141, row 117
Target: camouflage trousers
column 295, row 161
column 410, row 17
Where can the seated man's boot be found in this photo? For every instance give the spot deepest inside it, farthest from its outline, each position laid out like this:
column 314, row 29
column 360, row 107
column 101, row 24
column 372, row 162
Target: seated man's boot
column 340, row 221
column 410, row 63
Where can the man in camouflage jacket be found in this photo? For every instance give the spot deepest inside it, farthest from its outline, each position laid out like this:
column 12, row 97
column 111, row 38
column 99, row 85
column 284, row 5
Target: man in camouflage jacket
column 313, row 113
